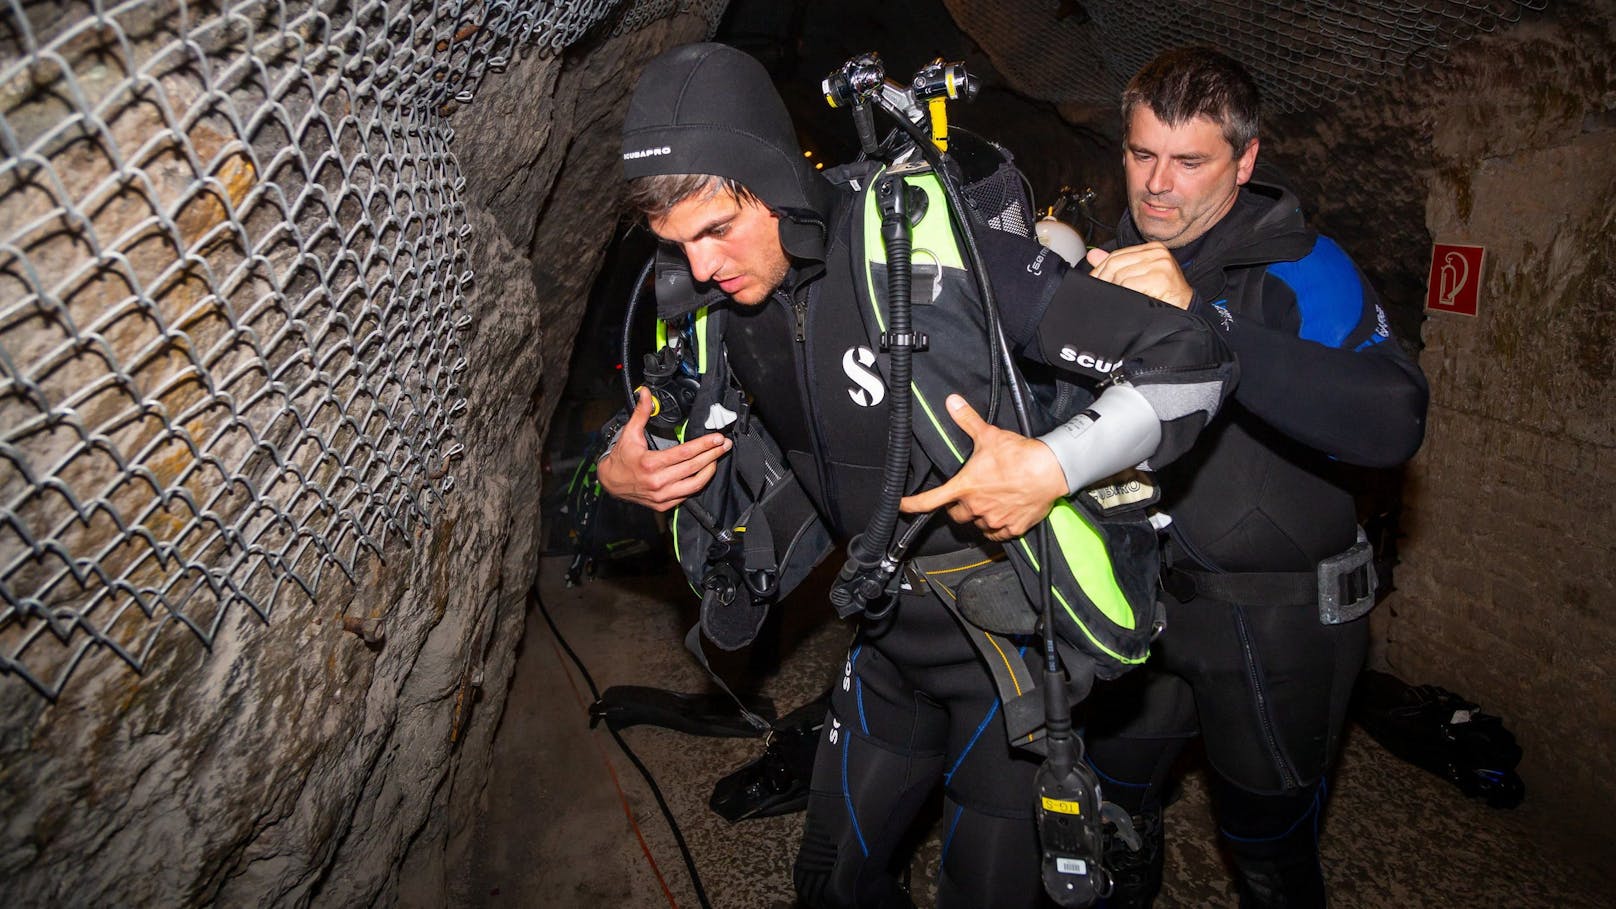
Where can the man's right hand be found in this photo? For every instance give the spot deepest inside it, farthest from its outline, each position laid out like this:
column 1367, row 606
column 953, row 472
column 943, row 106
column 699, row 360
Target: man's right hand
column 1148, row 268
column 659, row 480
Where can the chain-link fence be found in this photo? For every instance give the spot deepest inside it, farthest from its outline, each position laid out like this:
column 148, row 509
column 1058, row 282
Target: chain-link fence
column 233, row 279
column 1303, row 53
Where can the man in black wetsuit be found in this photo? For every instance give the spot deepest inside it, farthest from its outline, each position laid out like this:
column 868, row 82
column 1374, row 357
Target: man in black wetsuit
column 1251, row 658
column 715, row 167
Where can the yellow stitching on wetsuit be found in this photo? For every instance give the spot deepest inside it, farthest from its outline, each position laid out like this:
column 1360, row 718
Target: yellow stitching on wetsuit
column 962, row 567
column 945, row 589
column 1006, row 659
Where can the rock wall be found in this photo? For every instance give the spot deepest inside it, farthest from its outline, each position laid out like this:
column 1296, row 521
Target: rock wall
column 552, row 236
column 329, row 744
column 1509, row 507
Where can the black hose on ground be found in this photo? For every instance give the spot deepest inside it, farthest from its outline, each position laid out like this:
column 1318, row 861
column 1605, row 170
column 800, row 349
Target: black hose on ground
column 656, row 791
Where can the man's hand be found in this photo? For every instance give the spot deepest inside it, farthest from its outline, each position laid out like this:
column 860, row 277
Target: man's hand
column 1007, row 486
column 659, row 480
column 1148, row 268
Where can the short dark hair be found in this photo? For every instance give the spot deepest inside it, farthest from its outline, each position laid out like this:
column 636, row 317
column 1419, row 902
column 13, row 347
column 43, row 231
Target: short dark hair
column 1187, row 82
column 655, row 196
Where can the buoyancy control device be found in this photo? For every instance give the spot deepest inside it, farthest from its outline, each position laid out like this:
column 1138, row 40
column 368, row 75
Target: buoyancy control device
column 751, row 534
column 1100, row 575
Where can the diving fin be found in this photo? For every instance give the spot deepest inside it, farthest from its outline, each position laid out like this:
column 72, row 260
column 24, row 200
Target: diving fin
column 622, row 706
column 776, row 781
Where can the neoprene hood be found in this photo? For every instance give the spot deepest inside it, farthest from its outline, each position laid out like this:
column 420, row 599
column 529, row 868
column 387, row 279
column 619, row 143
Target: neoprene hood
column 711, row 109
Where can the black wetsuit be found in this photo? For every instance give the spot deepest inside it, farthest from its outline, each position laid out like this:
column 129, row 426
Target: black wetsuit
column 915, row 706
column 1322, row 382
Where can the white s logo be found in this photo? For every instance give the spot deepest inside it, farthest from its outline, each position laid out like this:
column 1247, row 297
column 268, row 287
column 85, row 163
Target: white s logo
column 858, row 363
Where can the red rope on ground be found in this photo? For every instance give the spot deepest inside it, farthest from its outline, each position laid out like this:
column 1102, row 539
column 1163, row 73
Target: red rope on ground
column 612, row 772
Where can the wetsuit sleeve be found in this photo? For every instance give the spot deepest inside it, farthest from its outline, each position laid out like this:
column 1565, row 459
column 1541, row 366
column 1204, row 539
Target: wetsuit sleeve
column 1061, row 316
column 1098, row 331
column 1331, row 375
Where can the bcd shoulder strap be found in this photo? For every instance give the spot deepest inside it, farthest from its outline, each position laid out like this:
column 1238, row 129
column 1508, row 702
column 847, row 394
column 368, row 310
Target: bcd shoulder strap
column 751, row 534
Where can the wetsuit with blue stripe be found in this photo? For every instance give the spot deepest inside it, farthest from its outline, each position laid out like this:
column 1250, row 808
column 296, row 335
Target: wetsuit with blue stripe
column 1323, row 383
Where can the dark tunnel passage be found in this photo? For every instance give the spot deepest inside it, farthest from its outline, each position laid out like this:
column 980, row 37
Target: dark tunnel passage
column 310, row 314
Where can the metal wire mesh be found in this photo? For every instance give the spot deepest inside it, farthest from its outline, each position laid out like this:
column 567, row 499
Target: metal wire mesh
column 645, row 12
column 233, row 280
column 1002, row 201
column 1303, row 53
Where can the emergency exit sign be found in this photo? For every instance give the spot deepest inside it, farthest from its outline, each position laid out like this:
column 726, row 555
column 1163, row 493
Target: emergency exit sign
column 1455, row 282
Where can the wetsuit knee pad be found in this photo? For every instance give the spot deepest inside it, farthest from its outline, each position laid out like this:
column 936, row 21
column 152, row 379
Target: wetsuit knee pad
column 1135, row 774
column 1134, row 729
column 816, row 858
column 1257, row 818
column 823, row 876
column 813, row 874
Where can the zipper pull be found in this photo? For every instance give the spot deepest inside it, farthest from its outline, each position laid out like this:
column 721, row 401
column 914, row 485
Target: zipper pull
column 800, row 309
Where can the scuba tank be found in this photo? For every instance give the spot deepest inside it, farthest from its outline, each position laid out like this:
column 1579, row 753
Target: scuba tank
column 1056, row 230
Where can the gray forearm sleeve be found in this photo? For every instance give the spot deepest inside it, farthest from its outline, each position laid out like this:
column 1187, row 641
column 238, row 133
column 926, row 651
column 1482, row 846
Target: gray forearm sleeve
column 1119, row 430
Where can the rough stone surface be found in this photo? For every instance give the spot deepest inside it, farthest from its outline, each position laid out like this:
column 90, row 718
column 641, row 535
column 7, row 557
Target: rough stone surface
column 290, row 762
column 1508, row 508
column 567, row 222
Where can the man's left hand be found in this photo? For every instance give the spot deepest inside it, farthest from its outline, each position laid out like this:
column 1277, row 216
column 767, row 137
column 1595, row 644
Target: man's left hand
column 1148, row 268
column 1007, row 486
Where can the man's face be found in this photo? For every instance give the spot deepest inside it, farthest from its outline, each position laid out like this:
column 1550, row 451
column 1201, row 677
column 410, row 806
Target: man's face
column 1181, row 179
column 734, row 243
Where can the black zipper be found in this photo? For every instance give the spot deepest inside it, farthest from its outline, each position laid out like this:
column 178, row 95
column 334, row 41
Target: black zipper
column 1287, row 775
column 799, row 308
column 1133, row 377
column 802, row 352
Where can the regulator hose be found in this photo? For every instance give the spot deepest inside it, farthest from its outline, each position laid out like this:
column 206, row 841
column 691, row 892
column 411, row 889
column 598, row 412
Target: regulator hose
column 625, row 352
column 863, row 577
column 999, row 348
column 1064, row 748
column 625, row 345
column 957, row 206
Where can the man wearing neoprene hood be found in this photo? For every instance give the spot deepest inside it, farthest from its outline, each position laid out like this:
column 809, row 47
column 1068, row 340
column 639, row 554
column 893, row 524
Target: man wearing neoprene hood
column 715, row 166
column 1269, row 578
